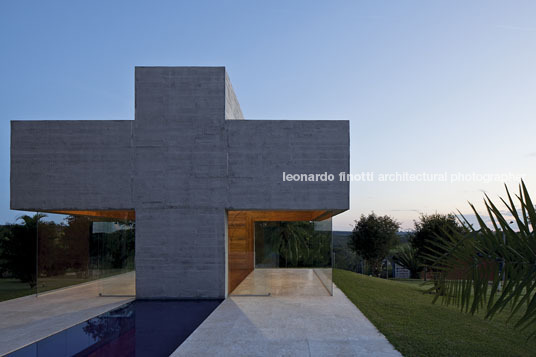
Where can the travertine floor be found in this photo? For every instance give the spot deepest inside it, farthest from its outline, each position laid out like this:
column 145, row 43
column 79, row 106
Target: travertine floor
column 282, row 282
column 285, row 325
column 29, row 319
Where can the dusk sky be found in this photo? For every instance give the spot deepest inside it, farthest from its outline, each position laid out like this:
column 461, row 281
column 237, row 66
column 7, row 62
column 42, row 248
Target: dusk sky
column 434, row 87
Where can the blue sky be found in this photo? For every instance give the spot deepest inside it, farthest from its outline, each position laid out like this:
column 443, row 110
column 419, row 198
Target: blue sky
column 428, row 86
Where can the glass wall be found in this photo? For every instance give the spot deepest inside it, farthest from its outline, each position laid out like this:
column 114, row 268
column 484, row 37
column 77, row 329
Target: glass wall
column 323, row 267
column 98, row 251
column 114, row 242
column 18, row 252
column 296, row 244
column 63, row 253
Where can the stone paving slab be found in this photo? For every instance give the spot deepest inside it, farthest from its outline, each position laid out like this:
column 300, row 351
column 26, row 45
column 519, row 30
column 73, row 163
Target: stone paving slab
column 287, row 326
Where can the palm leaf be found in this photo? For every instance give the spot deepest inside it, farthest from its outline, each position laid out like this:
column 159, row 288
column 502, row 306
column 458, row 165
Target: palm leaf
column 468, row 271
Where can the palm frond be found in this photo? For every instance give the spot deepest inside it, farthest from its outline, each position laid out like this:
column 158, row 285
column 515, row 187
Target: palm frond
column 492, row 268
column 406, row 256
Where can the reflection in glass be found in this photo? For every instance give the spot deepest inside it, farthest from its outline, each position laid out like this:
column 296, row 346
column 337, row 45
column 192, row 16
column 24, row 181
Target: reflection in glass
column 63, row 252
column 324, row 268
column 300, row 244
column 18, row 257
column 115, row 251
column 79, row 249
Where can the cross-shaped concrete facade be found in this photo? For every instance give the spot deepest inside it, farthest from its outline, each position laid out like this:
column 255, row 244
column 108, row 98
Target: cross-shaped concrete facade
column 186, row 159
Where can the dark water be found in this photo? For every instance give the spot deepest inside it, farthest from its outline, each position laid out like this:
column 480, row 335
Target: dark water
column 139, row 328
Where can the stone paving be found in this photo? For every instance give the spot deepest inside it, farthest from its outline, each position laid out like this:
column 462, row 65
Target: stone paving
column 282, row 282
column 287, row 325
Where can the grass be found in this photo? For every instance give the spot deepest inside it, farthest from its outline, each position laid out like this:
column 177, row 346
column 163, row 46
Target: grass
column 13, row 288
column 416, row 327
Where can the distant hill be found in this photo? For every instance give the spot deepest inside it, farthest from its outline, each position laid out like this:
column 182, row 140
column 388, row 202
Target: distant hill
column 341, row 237
column 404, row 236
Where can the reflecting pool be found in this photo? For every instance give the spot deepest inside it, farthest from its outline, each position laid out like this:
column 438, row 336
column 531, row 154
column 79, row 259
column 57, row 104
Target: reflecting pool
column 139, row 328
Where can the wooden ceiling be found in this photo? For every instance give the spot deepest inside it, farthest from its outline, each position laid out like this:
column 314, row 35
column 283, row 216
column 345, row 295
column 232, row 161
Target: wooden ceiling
column 265, row 216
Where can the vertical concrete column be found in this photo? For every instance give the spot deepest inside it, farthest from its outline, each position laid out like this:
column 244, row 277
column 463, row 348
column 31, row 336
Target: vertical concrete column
column 180, row 182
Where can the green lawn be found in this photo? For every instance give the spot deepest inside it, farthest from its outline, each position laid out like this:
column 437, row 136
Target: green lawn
column 416, row 327
column 13, row 288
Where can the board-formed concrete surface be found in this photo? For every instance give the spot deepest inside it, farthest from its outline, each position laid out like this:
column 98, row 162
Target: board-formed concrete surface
column 30, row 318
column 287, row 326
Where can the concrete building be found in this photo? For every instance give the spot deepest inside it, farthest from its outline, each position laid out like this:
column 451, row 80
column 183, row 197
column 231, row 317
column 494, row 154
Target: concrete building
column 190, row 169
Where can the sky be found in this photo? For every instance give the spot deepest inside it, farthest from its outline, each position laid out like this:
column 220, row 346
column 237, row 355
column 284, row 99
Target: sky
column 429, row 87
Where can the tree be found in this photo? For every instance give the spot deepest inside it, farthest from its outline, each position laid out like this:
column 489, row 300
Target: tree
column 372, row 238
column 117, row 247
column 64, row 247
column 19, row 249
column 296, row 244
column 406, row 256
column 5, row 234
column 429, row 230
column 51, row 250
column 76, row 239
column 496, row 254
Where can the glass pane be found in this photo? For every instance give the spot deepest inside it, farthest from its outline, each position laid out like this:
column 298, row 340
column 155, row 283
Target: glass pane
column 115, row 243
column 63, row 252
column 323, row 245
column 18, row 257
column 76, row 249
column 294, row 257
column 267, row 245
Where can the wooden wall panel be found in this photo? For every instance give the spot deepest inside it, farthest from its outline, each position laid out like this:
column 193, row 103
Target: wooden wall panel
column 240, row 249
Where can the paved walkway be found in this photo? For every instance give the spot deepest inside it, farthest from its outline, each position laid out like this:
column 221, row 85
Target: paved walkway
column 282, row 282
column 29, row 319
column 287, row 325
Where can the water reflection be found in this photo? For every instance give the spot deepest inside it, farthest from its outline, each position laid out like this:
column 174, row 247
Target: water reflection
column 139, row 328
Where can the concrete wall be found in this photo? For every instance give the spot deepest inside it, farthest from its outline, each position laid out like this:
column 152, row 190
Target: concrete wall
column 180, row 182
column 232, row 107
column 180, row 252
column 71, row 165
column 180, row 164
column 261, row 150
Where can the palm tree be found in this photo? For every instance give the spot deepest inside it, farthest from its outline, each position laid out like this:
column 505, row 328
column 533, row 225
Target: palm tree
column 19, row 249
column 406, row 256
column 494, row 266
column 297, row 244
column 290, row 241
